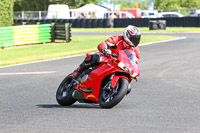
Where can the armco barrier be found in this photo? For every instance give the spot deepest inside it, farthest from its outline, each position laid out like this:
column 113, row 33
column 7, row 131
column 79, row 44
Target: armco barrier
column 27, row 34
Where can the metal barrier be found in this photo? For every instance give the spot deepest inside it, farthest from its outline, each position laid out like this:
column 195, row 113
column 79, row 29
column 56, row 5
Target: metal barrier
column 26, row 34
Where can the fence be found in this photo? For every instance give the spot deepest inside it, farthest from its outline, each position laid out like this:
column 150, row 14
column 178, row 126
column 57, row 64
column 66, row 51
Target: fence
column 73, row 14
column 182, row 11
column 27, row 34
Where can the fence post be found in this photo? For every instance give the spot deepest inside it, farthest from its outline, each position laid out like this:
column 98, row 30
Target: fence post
column 40, row 15
column 52, row 32
column 68, row 31
column 23, row 15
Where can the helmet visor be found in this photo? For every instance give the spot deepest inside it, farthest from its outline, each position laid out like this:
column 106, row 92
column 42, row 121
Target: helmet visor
column 135, row 40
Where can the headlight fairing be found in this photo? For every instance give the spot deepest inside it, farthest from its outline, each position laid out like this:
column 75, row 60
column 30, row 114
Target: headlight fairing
column 123, row 66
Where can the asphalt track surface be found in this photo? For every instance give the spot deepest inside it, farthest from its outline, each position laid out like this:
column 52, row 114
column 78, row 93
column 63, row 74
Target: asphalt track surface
column 166, row 99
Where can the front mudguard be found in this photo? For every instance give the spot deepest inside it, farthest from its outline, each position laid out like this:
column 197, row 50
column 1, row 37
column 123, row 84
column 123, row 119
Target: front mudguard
column 115, row 79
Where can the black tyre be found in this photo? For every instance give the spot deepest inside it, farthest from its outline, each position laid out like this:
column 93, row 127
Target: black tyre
column 64, row 93
column 109, row 98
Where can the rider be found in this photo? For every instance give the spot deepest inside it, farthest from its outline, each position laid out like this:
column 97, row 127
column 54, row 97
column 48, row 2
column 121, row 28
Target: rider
column 129, row 40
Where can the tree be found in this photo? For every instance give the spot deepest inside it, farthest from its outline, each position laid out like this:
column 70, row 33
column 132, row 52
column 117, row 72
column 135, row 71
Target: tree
column 74, row 3
column 42, row 5
column 176, row 4
column 166, row 4
column 6, row 13
column 31, row 5
column 190, row 3
column 142, row 4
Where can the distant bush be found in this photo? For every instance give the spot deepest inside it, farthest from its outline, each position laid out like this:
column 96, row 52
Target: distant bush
column 6, row 13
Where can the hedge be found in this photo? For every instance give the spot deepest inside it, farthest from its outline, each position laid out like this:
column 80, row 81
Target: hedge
column 6, row 13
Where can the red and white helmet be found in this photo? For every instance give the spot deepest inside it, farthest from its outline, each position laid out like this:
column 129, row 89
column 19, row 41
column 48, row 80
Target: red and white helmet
column 132, row 36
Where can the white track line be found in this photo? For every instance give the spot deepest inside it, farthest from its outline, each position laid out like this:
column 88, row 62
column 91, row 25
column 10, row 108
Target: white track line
column 27, row 73
column 84, row 54
column 42, row 61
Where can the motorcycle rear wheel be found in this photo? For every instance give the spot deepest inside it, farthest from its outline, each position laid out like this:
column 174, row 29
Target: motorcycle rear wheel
column 64, row 93
column 109, row 99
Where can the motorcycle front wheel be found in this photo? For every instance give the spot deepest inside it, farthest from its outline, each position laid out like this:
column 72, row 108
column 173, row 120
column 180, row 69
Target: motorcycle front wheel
column 109, row 98
column 64, row 93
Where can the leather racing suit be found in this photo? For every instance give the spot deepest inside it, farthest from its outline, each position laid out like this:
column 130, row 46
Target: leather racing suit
column 114, row 43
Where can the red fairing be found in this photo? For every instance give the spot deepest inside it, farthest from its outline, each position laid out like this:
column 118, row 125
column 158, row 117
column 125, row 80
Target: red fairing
column 108, row 66
column 116, row 43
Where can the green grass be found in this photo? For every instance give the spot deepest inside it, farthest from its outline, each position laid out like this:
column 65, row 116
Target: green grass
column 143, row 30
column 78, row 45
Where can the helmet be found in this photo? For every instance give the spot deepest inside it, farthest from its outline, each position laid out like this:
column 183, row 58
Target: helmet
column 132, row 36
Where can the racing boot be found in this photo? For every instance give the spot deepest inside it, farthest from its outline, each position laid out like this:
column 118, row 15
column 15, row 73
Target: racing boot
column 74, row 75
column 87, row 63
column 78, row 71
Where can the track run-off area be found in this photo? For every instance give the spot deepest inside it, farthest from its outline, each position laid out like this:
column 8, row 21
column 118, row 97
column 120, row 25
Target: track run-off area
column 165, row 99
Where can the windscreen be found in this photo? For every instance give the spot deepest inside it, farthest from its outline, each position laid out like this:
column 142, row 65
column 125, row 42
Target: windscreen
column 131, row 56
column 128, row 58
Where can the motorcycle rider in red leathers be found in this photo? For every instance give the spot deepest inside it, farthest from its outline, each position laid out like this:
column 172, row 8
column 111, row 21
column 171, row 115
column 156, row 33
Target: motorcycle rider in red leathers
column 129, row 40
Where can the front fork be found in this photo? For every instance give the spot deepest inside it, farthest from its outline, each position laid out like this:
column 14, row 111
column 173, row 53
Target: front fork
column 114, row 79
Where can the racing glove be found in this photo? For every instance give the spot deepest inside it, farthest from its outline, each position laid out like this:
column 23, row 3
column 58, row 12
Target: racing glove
column 106, row 51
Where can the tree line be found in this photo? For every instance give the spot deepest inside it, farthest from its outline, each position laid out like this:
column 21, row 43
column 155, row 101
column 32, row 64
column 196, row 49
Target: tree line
column 160, row 4
column 6, row 13
column 42, row 5
column 177, row 4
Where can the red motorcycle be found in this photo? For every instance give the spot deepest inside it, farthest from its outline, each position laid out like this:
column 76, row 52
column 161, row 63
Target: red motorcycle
column 105, row 84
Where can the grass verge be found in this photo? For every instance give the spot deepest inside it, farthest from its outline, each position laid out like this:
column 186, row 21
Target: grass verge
column 78, row 45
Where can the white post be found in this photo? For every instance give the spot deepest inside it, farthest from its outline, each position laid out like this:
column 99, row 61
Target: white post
column 40, row 15
column 22, row 14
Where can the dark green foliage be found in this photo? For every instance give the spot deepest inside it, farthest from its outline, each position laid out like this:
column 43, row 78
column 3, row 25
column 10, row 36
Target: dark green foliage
column 6, row 13
column 42, row 5
column 176, row 4
column 31, row 5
